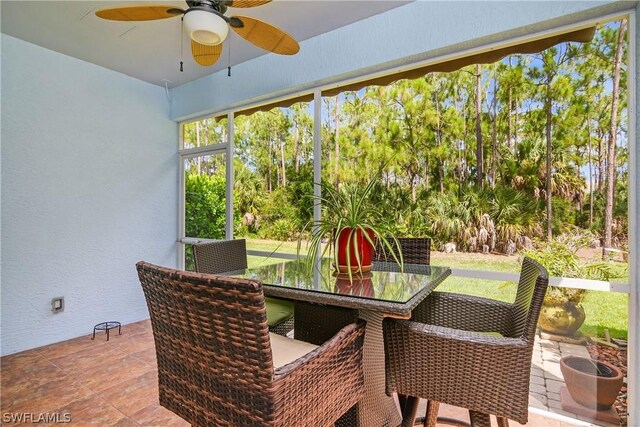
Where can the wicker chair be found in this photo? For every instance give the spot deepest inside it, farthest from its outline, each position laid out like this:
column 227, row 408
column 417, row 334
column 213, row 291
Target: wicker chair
column 231, row 255
column 415, row 250
column 467, row 351
column 218, row 365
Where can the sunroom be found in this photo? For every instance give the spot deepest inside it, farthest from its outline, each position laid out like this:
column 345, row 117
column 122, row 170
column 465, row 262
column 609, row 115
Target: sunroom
column 457, row 119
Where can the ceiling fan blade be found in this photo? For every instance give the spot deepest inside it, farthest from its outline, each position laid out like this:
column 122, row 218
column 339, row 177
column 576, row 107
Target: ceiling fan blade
column 247, row 3
column 205, row 55
column 266, row 36
column 139, row 13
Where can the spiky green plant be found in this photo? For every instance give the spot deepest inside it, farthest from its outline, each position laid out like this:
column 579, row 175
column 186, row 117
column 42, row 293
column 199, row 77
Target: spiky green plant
column 348, row 208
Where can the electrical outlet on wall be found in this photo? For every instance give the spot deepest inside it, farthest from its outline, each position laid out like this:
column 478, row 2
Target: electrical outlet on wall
column 57, row 304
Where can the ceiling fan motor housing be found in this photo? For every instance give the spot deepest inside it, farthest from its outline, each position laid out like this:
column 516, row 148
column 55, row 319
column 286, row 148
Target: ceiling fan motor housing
column 205, row 26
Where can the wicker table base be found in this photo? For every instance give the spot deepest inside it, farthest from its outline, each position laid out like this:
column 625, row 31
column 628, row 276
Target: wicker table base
column 317, row 323
column 375, row 408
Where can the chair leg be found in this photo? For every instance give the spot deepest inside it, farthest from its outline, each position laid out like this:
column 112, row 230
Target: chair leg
column 431, row 417
column 409, row 411
column 478, row 419
column 503, row 422
column 402, row 400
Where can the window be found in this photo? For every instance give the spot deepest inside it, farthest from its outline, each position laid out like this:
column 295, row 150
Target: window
column 205, row 183
column 203, row 133
column 273, row 183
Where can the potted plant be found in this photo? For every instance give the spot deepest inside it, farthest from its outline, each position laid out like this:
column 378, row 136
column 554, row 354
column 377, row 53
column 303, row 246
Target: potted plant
column 352, row 226
column 562, row 312
column 591, row 383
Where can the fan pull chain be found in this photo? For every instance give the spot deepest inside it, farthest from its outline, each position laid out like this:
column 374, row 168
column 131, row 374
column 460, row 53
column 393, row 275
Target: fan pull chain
column 181, row 41
column 229, row 56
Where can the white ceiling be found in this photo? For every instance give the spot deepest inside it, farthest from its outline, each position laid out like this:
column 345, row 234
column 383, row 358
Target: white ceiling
column 150, row 50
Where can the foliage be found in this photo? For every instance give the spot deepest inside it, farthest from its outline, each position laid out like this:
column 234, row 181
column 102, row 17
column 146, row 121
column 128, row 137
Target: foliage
column 205, row 206
column 420, row 140
column 560, row 259
column 280, row 229
column 476, row 218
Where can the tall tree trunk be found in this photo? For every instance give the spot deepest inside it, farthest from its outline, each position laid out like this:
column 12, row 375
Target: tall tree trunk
column 412, row 184
column 548, row 159
column 206, row 132
column 439, row 164
column 516, row 121
column 199, row 158
column 426, row 176
column 336, row 164
column 296, row 141
column 589, row 148
column 284, row 170
column 456, row 101
column 601, row 163
column 479, row 147
column 611, row 148
column 269, row 183
column 494, row 133
column 465, row 136
column 509, row 108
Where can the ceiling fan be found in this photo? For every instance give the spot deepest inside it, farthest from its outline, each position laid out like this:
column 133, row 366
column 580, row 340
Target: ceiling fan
column 207, row 26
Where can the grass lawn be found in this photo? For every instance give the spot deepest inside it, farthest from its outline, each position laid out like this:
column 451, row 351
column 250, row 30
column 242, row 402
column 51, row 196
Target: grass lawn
column 604, row 310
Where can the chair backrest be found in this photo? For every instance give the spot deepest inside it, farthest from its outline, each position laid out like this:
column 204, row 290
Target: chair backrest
column 212, row 344
column 532, row 288
column 220, row 257
column 415, row 250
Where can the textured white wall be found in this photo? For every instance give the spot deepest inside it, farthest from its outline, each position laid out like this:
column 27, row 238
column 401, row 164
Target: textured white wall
column 89, row 187
column 404, row 35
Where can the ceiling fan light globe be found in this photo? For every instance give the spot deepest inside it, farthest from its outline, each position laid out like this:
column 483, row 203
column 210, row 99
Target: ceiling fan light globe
column 205, row 27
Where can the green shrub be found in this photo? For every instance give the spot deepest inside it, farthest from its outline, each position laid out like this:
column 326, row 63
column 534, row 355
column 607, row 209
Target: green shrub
column 280, row 229
column 205, row 209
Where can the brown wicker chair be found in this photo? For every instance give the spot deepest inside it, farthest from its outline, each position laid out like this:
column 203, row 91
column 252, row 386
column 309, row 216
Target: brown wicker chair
column 231, row 255
column 218, row 365
column 415, row 250
column 467, row 351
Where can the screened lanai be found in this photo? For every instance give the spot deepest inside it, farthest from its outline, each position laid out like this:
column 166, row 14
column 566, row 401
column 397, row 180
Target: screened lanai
column 105, row 164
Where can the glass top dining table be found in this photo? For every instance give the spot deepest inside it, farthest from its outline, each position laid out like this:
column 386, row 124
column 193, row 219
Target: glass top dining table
column 387, row 287
column 325, row 302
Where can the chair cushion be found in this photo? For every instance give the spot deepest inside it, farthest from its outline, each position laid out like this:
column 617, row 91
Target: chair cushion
column 286, row 350
column 490, row 333
column 278, row 310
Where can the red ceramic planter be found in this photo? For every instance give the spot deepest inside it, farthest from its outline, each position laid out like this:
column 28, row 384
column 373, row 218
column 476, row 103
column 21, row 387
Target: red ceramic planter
column 587, row 388
column 363, row 246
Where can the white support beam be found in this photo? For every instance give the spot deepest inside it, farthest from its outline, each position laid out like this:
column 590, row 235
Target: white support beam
column 317, row 153
column 229, row 177
column 181, row 203
column 633, row 398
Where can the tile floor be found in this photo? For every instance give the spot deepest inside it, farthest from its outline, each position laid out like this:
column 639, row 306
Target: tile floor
column 115, row 383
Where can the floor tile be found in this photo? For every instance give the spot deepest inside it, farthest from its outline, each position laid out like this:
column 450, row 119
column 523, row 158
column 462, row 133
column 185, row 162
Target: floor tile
column 91, row 411
column 45, row 397
column 137, row 343
column 156, row 415
column 69, row 347
column 134, row 394
column 86, row 360
column 113, row 371
column 147, row 356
